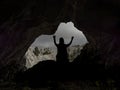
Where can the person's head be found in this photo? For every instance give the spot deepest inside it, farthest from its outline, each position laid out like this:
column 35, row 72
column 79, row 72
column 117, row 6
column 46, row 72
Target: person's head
column 61, row 40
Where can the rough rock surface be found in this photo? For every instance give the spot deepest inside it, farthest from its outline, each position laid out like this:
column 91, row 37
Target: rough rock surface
column 22, row 21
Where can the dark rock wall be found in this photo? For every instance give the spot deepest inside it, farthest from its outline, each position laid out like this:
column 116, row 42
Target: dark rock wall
column 22, row 21
column 99, row 20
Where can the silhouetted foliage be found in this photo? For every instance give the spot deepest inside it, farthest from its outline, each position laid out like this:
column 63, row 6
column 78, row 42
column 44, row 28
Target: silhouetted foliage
column 74, row 51
column 46, row 51
column 36, row 51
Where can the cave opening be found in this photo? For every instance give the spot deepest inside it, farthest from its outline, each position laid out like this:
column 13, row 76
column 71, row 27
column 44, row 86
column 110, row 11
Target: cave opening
column 43, row 47
column 24, row 20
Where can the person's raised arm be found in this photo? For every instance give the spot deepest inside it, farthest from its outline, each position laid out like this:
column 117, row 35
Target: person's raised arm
column 70, row 42
column 54, row 38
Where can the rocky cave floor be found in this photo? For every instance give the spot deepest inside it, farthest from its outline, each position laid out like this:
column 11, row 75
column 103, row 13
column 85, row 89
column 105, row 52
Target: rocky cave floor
column 49, row 75
column 66, row 85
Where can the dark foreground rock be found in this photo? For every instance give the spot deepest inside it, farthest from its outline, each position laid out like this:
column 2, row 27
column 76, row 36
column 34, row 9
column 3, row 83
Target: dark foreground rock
column 46, row 71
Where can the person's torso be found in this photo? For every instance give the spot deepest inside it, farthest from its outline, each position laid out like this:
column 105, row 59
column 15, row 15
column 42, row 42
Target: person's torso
column 62, row 49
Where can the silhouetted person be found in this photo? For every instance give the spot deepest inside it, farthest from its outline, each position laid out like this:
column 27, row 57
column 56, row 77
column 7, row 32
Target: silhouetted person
column 62, row 55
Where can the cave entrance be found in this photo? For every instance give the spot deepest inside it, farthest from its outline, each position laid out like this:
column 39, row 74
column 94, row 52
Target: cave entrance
column 43, row 47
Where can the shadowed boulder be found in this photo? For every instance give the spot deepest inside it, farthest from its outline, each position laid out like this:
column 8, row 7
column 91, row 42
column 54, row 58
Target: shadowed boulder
column 49, row 71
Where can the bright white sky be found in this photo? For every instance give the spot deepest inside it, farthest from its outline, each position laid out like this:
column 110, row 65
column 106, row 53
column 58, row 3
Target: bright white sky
column 65, row 30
